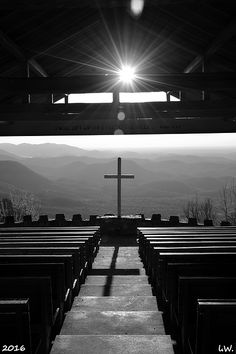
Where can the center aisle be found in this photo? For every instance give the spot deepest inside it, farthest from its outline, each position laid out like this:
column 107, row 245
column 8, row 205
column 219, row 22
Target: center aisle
column 115, row 312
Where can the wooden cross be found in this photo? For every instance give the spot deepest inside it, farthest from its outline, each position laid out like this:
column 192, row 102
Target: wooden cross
column 119, row 176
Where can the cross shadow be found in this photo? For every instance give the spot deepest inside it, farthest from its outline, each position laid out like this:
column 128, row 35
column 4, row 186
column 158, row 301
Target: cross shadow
column 107, row 272
column 112, row 271
column 107, row 287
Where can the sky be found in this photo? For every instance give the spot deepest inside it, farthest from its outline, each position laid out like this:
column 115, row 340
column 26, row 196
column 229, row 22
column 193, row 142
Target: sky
column 135, row 142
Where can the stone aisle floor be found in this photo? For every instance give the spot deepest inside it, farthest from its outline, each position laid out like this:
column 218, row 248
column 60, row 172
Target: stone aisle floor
column 115, row 312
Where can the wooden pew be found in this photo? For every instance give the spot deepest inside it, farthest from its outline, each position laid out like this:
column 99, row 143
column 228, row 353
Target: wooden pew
column 206, row 256
column 145, row 240
column 93, row 239
column 156, row 251
column 176, row 270
column 188, row 228
column 56, row 272
column 92, row 242
column 147, row 247
column 39, row 292
column 43, row 250
column 28, row 246
column 15, row 326
column 49, row 228
column 190, row 290
column 83, row 259
column 164, row 258
column 216, row 326
column 89, row 245
column 66, row 260
column 197, row 258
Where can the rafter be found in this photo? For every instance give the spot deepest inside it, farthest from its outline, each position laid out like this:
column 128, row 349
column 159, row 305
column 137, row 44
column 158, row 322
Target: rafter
column 16, row 51
column 216, row 44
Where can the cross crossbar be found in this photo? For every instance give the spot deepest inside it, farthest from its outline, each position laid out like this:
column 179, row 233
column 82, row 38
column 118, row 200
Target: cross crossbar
column 119, row 176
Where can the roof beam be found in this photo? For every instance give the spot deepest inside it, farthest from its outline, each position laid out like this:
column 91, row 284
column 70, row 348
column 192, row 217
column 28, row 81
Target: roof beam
column 113, row 126
column 107, row 111
column 109, row 83
column 16, row 51
column 217, row 43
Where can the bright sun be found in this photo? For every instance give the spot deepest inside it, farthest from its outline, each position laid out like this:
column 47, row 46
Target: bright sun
column 127, row 74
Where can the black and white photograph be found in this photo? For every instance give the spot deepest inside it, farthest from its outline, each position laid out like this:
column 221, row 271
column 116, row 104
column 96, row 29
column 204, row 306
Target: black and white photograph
column 118, row 176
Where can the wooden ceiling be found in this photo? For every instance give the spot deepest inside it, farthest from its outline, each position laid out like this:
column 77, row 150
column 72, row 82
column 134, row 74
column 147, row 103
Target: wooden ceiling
column 52, row 48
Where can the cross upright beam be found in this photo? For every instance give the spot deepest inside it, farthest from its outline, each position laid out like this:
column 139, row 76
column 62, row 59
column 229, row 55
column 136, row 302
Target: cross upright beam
column 119, row 176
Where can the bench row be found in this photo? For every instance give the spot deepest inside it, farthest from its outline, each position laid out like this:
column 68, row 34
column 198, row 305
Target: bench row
column 42, row 271
column 194, row 275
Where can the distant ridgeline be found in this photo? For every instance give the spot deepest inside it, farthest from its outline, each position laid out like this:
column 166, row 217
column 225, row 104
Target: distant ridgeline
column 107, row 222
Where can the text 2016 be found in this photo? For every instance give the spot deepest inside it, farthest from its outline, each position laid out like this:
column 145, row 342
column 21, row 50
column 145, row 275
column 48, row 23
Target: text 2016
column 13, row 348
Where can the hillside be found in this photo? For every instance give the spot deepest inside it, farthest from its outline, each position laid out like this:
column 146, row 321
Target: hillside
column 16, row 174
column 71, row 183
column 4, row 155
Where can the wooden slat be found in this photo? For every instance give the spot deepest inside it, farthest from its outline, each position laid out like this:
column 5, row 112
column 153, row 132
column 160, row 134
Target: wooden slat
column 104, row 83
column 103, row 127
column 155, row 110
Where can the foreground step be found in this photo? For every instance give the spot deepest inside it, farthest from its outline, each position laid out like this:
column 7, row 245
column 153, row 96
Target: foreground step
column 113, row 322
column 116, row 290
column 114, row 303
column 108, row 344
column 116, row 279
column 102, row 258
column 117, row 265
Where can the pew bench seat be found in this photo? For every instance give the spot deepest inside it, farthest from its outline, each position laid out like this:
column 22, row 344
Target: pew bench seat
column 15, row 325
column 39, row 292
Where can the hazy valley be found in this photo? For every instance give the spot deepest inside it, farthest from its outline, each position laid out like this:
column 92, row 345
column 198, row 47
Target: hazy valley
column 70, row 180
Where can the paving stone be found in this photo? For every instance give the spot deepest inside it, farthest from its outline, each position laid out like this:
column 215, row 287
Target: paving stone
column 117, row 259
column 107, row 344
column 115, row 312
column 126, row 265
column 116, row 290
column 114, row 303
column 116, row 279
column 113, row 322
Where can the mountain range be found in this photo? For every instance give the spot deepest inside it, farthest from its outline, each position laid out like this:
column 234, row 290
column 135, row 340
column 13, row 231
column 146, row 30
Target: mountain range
column 70, row 180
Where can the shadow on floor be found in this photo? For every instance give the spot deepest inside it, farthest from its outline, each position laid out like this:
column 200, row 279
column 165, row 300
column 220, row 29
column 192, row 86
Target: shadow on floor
column 115, row 240
column 107, row 287
column 112, row 270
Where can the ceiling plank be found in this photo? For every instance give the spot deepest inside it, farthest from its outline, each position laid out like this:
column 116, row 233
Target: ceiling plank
column 16, row 51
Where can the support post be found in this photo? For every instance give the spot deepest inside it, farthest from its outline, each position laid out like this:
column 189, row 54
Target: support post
column 119, row 187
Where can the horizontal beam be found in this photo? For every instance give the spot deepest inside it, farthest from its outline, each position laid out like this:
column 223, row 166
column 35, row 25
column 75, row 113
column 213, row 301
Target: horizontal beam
column 107, row 83
column 122, row 176
column 101, row 127
column 107, row 111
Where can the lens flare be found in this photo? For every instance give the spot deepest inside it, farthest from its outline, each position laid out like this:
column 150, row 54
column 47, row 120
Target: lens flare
column 127, row 74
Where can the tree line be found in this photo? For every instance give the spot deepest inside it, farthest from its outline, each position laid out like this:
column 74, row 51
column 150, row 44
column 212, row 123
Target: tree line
column 224, row 208
column 19, row 203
